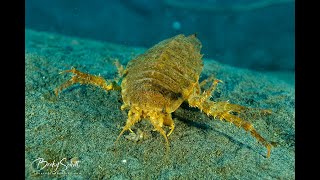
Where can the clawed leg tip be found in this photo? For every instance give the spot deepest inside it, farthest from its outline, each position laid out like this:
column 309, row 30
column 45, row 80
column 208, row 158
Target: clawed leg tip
column 268, row 156
column 268, row 151
column 56, row 92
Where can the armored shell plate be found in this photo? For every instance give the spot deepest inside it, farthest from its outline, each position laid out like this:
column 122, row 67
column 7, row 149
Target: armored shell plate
column 164, row 76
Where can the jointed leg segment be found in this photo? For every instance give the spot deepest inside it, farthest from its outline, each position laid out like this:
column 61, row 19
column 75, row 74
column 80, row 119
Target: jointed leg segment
column 133, row 117
column 169, row 122
column 222, row 111
column 120, row 68
column 84, row 78
column 156, row 119
column 205, row 81
column 207, row 93
column 243, row 124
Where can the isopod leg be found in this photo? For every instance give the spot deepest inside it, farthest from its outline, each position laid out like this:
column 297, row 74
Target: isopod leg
column 169, row 122
column 246, row 126
column 205, row 81
column 84, row 78
column 222, row 111
column 157, row 123
column 206, row 94
column 120, row 68
column 132, row 119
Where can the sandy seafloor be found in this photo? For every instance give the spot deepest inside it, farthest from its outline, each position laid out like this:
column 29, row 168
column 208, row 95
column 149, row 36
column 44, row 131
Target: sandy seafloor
column 82, row 124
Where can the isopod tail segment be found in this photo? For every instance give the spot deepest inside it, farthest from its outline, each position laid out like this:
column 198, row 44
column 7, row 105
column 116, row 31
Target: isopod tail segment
column 223, row 111
column 87, row 79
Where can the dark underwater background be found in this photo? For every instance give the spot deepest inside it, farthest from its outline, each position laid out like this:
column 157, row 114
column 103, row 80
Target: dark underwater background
column 247, row 44
column 255, row 34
